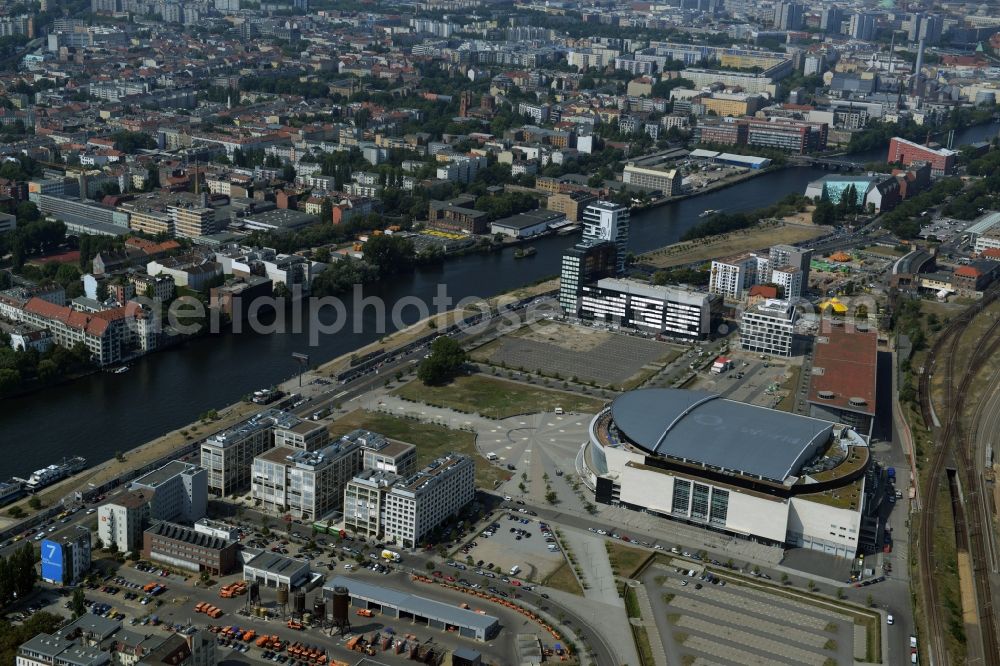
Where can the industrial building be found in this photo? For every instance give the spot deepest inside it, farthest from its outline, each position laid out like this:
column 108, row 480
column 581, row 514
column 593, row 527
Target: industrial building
column 908, row 153
column 527, row 224
column 665, row 181
column 274, row 570
column 668, row 310
column 65, row 555
column 768, row 327
column 405, row 606
column 756, row 473
column 843, row 379
column 186, row 548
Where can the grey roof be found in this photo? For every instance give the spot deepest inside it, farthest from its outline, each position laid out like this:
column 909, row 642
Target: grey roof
column 422, row 606
column 89, row 623
column 184, row 534
column 984, row 223
column 44, row 644
column 277, row 564
column 705, row 428
column 165, row 473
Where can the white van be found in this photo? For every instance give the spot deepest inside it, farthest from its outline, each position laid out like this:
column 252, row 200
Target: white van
column 559, row 410
column 492, row 456
column 513, row 570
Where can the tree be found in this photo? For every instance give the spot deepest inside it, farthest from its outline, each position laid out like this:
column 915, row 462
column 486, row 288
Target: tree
column 824, row 213
column 445, row 362
column 77, row 603
column 35, row 503
column 389, row 255
column 326, row 211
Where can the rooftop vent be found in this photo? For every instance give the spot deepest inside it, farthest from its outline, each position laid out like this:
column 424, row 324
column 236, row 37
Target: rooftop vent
column 826, row 395
column 857, row 402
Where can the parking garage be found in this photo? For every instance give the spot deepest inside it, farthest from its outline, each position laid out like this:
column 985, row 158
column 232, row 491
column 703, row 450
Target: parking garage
column 420, row 610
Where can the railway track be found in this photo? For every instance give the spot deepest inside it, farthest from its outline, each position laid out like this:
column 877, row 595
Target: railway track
column 953, row 445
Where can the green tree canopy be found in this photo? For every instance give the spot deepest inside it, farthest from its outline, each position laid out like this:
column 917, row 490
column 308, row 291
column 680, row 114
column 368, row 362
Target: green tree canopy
column 445, row 362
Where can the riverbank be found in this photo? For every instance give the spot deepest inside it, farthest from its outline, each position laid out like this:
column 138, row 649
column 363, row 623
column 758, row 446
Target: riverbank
column 711, row 188
column 177, row 441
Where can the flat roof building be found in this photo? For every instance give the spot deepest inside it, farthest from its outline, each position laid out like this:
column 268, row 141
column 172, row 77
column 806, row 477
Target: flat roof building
column 768, row 328
column 666, row 181
column 584, row 263
column 65, row 555
column 298, row 433
column 418, row 504
column 122, row 519
column 405, row 606
column 527, row 224
column 668, row 310
column 178, row 491
column 842, row 383
column 380, row 453
column 274, row 570
column 364, row 501
column 186, row 548
column 306, row 484
column 228, row 456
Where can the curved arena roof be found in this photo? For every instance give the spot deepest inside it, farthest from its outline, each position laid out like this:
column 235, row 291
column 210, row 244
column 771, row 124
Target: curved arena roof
column 704, row 428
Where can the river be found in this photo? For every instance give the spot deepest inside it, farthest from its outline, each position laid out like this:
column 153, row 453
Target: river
column 104, row 413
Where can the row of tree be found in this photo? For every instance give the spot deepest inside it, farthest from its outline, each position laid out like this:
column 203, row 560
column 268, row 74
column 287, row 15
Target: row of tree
column 17, row 574
column 25, row 369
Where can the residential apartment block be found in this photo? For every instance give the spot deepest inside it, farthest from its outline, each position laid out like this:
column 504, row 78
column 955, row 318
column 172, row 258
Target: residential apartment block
column 65, row 555
column 666, row 181
column 417, row 505
column 767, row 328
column 733, row 275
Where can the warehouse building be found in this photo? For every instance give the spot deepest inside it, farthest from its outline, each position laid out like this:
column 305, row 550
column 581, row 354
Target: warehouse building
column 747, row 471
column 842, row 383
column 404, row 606
column 527, row 224
column 188, row 549
column 274, row 570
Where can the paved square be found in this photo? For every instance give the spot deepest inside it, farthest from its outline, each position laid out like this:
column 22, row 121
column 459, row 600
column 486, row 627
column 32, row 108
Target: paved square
column 571, row 350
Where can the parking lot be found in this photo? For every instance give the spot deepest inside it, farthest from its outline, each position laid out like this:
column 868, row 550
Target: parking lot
column 517, row 540
column 705, row 618
column 752, row 380
column 591, row 354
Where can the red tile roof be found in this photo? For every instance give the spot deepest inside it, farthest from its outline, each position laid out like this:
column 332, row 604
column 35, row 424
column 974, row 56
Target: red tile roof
column 844, row 364
column 94, row 323
column 765, row 290
column 967, row 271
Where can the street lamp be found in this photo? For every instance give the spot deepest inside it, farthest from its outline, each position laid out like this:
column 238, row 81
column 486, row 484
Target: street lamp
column 303, row 361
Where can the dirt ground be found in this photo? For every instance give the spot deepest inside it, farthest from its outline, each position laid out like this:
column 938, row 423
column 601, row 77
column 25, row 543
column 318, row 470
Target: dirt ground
column 755, row 238
column 572, row 338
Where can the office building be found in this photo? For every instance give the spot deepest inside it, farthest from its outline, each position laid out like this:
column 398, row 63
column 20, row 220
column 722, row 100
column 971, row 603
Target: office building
column 296, row 433
column 862, row 26
column 570, row 204
column 585, row 262
column 228, row 456
column 65, row 555
column 908, row 153
column 768, row 327
column 384, row 455
column 745, row 471
column 364, row 502
column 671, row 311
column 178, row 492
column 186, row 548
column 415, row 506
column 788, row 16
column 842, row 384
column 733, row 275
column 305, row 484
column 607, row 221
column 667, row 182
column 122, row 519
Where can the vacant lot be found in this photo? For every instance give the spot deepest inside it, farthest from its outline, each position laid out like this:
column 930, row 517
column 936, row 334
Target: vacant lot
column 624, row 559
column 495, row 398
column 588, row 354
column 706, row 249
column 431, row 441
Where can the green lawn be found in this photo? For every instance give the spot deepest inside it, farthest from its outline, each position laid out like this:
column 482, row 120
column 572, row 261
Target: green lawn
column 496, row 398
column 624, row 560
column 432, row 441
column 564, row 579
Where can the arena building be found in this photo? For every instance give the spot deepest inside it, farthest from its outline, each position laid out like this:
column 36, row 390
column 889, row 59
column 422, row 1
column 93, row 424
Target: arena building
column 756, row 473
